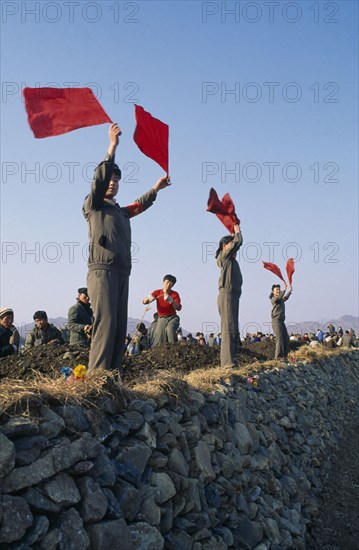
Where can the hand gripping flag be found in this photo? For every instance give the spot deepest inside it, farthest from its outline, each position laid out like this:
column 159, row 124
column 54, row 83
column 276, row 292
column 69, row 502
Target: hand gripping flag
column 151, row 137
column 290, row 269
column 274, row 269
column 55, row 111
column 224, row 209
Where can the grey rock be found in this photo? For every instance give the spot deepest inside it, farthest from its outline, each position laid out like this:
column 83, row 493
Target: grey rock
column 93, row 505
column 150, row 511
column 51, row 540
column 16, row 518
column 51, row 424
column 248, row 533
column 158, row 460
column 129, row 500
column 145, row 537
column 113, row 506
column 74, row 417
column 243, row 438
column 181, row 541
column 39, row 502
column 29, row 448
column 121, row 425
column 166, row 518
column 272, row 530
column 53, row 461
column 104, row 470
column 135, row 453
column 110, row 534
column 147, row 435
column 19, row 426
column 164, row 483
column 7, row 455
column 73, row 534
column 38, row 530
column 177, row 463
column 134, row 420
column 62, row 490
column 202, row 457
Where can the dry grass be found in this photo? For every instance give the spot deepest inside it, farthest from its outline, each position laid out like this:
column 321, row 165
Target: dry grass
column 14, row 394
column 313, row 354
column 19, row 395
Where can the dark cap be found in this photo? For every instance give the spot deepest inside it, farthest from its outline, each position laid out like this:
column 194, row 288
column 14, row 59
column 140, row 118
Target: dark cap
column 82, row 290
column 40, row 315
column 170, row 278
column 116, row 170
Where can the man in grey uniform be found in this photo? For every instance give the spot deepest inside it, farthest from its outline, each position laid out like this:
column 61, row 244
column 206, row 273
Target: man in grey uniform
column 109, row 261
column 277, row 298
column 80, row 319
column 230, row 290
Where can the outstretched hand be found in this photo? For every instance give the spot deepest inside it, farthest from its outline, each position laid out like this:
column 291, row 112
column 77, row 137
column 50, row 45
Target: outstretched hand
column 162, row 183
column 114, row 133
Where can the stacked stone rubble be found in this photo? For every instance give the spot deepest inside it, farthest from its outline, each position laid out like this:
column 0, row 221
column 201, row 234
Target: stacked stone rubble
column 240, row 468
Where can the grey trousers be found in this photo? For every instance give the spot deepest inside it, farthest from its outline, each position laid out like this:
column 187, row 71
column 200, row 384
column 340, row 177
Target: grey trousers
column 166, row 330
column 228, row 307
column 108, row 293
column 282, row 339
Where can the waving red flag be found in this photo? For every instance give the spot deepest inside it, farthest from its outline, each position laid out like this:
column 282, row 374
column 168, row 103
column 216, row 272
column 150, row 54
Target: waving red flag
column 274, row 269
column 290, row 269
column 55, row 111
column 151, row 137
column 224, row 209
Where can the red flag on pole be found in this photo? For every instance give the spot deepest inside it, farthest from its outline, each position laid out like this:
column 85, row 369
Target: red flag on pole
column 55, row 111
column 290, row 269
column 274, row 269
column 151, row 137
column 224, row 209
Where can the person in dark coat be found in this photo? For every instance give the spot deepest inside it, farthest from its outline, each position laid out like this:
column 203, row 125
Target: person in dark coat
column 80, row 319
column 230, row 290
column 9, row 335
column 278, row 298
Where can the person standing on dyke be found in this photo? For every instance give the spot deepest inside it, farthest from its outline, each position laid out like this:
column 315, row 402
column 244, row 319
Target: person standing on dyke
column 278, row 298
column 80, row 319
column 168, row 303
column 109, row 263
column 230, row 290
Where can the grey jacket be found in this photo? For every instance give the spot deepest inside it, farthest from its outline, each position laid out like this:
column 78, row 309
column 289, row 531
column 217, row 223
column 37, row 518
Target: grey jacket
column 230, row 279
column 78, row 317
column 109, row 223
column 37, row 337
column 278, row 306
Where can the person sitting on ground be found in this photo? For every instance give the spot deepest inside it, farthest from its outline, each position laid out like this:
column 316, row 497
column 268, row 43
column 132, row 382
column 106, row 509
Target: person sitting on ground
column 141, row 337
column 168, row 303
column 43, row 332
column 80, row 319
column 347, row 340
column 9, row 335
column 211, row 340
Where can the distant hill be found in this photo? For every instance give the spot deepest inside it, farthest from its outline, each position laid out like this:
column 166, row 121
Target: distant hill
column 345, row 321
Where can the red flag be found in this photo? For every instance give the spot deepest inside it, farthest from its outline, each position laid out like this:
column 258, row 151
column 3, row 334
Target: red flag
column 274, row 269
column 151, row 137
column 223, row 209
column 290, row 269
column 55, row 111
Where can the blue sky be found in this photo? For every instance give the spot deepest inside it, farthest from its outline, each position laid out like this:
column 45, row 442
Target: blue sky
column 261, row 100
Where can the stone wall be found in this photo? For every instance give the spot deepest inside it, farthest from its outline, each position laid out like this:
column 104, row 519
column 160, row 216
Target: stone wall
column 240, row 468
